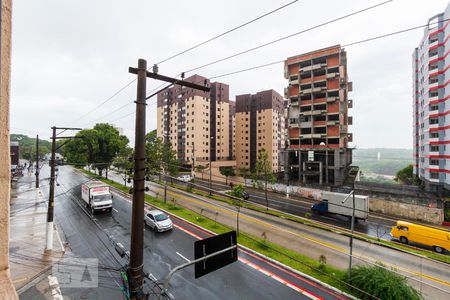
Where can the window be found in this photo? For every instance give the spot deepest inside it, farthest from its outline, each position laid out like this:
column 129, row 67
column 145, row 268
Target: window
column 434, row 162
column 434, row 148
column 434, row 175
column 434, row 134
column 434, row 120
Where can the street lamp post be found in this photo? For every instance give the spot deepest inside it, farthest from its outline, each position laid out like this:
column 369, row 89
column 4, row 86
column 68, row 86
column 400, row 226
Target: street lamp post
column 210, row 167
column 352, row 193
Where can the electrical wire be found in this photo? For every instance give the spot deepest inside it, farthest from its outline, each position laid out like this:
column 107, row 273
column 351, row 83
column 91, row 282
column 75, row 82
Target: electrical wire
column 288, row 36
column 178, row 54
column 227, row 32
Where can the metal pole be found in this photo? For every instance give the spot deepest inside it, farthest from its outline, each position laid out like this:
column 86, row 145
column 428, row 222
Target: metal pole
column 51, row 197
column 351, row 236
column 37, row 161
column 210, row 176
column 135, row 269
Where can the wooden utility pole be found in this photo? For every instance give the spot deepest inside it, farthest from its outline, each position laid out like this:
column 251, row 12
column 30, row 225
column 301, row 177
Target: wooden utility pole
column 37, row 161
column 51, row 194
column 135, row 268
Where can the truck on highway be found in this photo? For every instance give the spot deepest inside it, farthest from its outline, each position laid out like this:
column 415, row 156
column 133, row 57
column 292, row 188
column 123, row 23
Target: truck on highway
column 97, row 196
column 332, row 203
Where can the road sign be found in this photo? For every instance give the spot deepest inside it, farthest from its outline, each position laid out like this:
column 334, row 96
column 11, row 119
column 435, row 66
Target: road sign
column 211, row 245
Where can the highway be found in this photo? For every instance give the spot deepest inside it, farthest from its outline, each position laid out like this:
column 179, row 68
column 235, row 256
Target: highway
column 252, row 277
column 375, row 226
column 431, row 277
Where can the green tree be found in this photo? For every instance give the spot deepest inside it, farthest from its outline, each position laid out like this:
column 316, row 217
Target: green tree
column 227, row 171
column 406, row 176
column 201, row 169
column 124, row 163
column 263, row 171
column 27, row 146
column 154, row 152
column 238, row 193
column 96, row 147
column 160, row 155
column 382, row 284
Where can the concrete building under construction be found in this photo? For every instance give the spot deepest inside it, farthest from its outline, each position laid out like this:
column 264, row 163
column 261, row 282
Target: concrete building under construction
column 317, row 117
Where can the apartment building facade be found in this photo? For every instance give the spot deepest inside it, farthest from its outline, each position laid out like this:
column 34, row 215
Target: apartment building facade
column 196, row 123
column 260, row 123
column 317, row 117
column 431, row 120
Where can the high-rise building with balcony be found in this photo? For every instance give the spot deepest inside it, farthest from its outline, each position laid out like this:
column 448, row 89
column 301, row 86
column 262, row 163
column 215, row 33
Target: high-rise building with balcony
column 196, row 123
column 431, row 120
column 260, row 124
column 318, row 120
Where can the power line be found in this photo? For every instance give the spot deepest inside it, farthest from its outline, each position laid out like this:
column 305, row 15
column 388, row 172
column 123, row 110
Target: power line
column 226, row 32
column 182, row 52
column 105, row 101
column 290, row 35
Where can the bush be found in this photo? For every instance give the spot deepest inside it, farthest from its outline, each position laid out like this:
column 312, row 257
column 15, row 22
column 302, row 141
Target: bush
column 382, row 283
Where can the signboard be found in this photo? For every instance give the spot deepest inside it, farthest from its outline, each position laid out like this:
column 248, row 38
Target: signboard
column 310, row 155
column 211, row 245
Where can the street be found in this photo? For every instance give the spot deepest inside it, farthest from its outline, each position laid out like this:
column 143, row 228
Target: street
column 252, row 277
column 431, row 277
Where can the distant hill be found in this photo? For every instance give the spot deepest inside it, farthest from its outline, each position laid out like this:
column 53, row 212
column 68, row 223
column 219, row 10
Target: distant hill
column 391, row 160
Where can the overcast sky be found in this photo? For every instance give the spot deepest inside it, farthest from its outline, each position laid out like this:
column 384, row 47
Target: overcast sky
column 70, row 56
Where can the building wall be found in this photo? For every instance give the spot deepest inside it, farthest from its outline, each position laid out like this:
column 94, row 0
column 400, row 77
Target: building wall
column 431, row 123
column 7, row 290
column 259, row 124
column 197, row 123
column 318, row 116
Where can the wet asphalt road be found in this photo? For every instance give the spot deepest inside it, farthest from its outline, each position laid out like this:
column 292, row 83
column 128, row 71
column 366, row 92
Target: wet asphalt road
column 162, row 252
column 374, row 226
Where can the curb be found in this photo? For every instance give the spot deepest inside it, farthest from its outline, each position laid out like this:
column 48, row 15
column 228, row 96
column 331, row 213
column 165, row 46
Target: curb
column 250, row 250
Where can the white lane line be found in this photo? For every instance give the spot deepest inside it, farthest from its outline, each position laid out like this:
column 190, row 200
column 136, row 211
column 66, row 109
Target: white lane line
column 115, row 210
column 181, row 255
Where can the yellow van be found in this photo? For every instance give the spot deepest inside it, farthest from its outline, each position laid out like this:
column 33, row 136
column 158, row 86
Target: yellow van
column 406, row 232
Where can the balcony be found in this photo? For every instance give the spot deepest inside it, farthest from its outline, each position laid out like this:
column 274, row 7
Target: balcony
column 312, row 135
column 313, row 67
column 433, row 56
column 332, row 123
column 305, row 125
column 319, row 89
column 332, row 99
column 332, row 75
column 433, row 98
column 432, row 44
column 319, row 123
column 432, row 85
column 305, row 91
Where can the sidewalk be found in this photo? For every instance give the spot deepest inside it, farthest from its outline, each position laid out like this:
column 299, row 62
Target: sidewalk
column 30, row 264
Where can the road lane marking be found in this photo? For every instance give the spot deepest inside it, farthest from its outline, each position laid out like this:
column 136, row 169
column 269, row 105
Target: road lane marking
column 181, row 255
column 328, row 245
column 254, row 266
column 280, row 280
column 115, row 210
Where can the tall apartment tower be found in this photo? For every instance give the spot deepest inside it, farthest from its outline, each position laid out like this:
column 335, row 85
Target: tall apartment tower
column 431, row 121
column 318, row 118
column 196, row 123
column 260, row 124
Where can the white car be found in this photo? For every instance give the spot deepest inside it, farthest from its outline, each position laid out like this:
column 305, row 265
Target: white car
column 185, row 178
column 158, row 221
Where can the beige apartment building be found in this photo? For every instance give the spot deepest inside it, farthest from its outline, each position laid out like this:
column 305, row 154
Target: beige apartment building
column 196, row 123
column 260, row 123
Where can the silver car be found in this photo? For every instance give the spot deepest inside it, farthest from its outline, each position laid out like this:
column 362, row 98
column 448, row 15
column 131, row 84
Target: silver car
column 158, row 221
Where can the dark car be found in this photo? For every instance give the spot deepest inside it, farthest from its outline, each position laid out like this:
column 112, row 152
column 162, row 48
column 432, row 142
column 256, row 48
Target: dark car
column 245, row 195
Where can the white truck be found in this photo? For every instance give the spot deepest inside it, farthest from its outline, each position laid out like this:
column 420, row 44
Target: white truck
column 97, row 196
column 332, row 203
